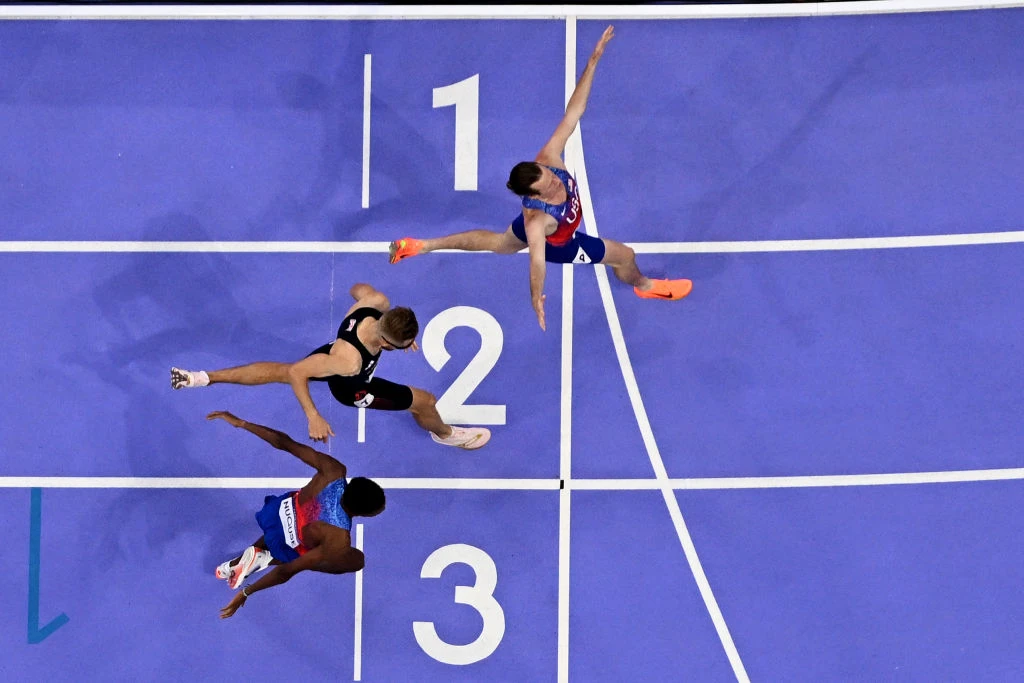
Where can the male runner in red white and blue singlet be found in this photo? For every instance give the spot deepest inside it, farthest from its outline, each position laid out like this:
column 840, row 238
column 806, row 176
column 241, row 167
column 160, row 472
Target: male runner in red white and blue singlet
column 304, row 530
column 551, row 215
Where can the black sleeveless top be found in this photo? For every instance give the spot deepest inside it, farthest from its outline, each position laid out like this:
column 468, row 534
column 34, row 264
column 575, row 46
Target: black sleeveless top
column 347, row 332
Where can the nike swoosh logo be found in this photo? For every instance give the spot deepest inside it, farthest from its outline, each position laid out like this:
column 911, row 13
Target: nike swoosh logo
column 660, row 296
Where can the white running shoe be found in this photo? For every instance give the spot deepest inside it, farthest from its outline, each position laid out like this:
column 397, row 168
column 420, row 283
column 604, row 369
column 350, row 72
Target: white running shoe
column 252, row 561
column 223, row 572
column 468, row 438
column 188, row 378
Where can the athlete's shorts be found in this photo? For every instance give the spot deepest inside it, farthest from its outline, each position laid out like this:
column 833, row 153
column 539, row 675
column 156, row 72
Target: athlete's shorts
column 378, row 394
column 582, row 248
column 280, row 526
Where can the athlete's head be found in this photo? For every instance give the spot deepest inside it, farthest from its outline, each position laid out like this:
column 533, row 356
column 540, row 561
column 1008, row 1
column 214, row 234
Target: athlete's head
column 523, row 176
column 363, row 497
column 398, row 328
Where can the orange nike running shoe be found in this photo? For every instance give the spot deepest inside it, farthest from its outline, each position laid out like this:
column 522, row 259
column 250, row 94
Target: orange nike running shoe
column 404, row 248
column 670, row 290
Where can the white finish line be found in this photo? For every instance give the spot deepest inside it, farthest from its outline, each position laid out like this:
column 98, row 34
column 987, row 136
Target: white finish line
column 725, row 247
column 428, row 483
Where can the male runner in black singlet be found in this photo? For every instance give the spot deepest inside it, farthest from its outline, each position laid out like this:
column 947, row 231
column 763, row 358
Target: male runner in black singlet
column 348, row 365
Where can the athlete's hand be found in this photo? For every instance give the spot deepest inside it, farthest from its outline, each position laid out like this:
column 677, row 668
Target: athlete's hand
column 412, row 347
column 538, row 306
column 608, row 34
column 319, row 430
column 227, row 417
column 233, row 606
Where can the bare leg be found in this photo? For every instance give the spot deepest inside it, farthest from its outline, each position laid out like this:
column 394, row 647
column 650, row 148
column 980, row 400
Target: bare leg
column 477, row 240
column 253, row 373
column 424, row 411
column 622, row 260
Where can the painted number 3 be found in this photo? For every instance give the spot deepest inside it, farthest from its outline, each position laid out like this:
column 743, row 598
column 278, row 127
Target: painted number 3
column 479, row 596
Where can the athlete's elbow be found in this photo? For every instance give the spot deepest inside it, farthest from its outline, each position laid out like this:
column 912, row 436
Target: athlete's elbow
column 295, row 374
column 357, row 560
column 361, row 290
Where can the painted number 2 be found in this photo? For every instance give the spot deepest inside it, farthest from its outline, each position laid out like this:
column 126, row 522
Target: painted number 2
column 479, row 596
column 465, row 96
column 452, row 404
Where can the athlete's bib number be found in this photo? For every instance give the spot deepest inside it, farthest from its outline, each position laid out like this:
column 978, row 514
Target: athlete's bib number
column 479, row 596
column 288, row 522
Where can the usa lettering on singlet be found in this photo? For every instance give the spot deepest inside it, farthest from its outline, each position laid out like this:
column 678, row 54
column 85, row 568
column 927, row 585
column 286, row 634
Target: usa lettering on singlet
column 568, row 213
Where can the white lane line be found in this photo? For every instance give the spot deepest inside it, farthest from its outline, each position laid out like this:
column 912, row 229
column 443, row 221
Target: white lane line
column 429, row 483
column 565, row 445
column 420, row 12
column 332, row 331
column 194, row 247
column 357, row 655
column 565, row 452
column 657, row 464
column 565, row 472
column 361, row 426
column 367, row 71
column 808, row 481
column 839, row 244
column 426, row 483
column 285, row 247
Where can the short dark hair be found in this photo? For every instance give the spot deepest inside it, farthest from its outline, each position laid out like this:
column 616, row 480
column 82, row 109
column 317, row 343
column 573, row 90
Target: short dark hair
column 524, row 174
column 399, row 324
column 362, row 496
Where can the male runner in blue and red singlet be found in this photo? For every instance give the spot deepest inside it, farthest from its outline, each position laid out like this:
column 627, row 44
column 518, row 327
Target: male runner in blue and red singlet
column 304, row 530
column 551, row 216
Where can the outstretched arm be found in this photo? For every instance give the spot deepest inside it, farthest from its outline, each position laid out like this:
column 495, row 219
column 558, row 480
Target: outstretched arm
column 551, row 153
column 535, row 224
column 321, row 462
column 299, row 374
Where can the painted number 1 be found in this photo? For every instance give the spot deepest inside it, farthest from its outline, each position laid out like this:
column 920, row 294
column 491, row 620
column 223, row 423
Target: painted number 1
column 465, row 96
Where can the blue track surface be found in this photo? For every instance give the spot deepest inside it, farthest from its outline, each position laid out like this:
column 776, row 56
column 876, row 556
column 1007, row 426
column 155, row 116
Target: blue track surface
column 778, row 364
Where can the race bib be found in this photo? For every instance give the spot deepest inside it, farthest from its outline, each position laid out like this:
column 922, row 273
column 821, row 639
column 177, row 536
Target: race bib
column 288, row 522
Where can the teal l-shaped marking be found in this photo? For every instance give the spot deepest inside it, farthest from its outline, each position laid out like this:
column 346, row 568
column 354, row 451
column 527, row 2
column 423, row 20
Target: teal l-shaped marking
column 36, row 634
